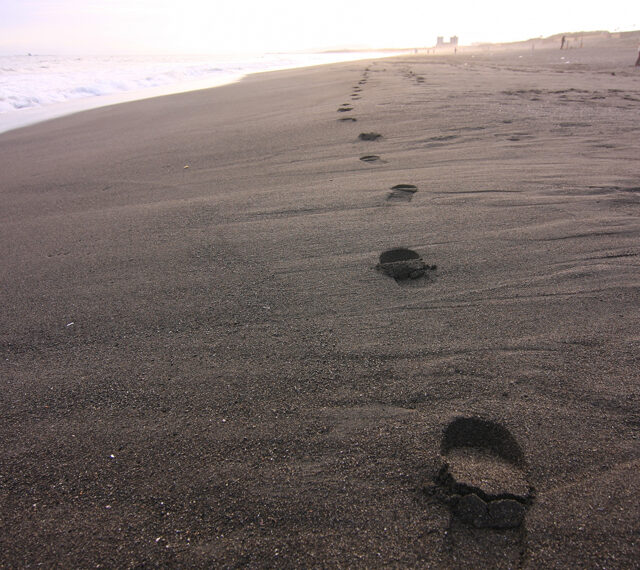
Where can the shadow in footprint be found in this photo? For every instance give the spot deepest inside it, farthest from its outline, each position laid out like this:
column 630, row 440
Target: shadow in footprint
column 403, row 264
column 344, row 108
column 402, row 193
column 370, row 158
column 347, row 119
column 369, row 136
column 482, row 476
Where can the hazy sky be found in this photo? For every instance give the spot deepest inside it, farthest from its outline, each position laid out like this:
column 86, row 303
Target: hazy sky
column 223, row 26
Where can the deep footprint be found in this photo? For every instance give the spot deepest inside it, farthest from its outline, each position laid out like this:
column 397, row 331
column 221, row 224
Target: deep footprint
column 481, row 477
column 344, row 108
column 370, row 158
column 402, row 193
column 348, row 119
column 403, row 264
column 369, row 136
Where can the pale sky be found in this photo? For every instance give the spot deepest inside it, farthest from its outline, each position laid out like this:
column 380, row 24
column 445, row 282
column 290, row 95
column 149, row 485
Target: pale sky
column 235, row 26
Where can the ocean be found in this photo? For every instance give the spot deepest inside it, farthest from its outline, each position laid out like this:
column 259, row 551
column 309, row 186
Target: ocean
column 35, row 88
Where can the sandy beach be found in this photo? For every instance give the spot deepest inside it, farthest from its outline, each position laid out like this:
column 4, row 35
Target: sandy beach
column 206, row 363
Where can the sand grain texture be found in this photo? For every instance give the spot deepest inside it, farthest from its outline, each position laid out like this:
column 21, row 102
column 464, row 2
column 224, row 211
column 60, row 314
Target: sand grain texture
column 202, row 367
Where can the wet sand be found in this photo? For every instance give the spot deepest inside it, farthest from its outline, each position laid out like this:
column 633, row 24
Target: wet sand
column 206, row 363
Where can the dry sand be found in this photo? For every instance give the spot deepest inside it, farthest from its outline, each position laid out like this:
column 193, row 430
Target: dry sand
column 203, row 367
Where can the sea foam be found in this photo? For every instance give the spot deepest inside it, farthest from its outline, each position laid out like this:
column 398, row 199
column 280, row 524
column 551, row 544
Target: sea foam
column 35, row 88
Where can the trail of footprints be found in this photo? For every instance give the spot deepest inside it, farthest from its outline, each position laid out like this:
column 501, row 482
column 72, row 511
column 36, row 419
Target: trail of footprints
column 482, row 476
column 399, row 263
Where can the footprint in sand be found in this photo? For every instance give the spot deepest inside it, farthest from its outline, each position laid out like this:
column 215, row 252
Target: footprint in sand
column 344, row 107
column 370, row 158
column 369, row 136
column 482, row 476
column 347, row 119
column 401, row 193
column 403, row 264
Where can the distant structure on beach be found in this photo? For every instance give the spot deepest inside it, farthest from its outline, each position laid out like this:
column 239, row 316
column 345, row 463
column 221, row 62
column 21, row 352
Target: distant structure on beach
column 453, row 42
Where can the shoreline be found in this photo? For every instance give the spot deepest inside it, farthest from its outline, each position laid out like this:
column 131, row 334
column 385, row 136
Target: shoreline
column 210, row 358
column 25, row 117
column 20, row 119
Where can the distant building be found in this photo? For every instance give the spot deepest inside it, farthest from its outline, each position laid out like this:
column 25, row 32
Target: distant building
column 453, row 42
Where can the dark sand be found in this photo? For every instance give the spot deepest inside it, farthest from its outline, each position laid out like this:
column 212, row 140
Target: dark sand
column 202, row 366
